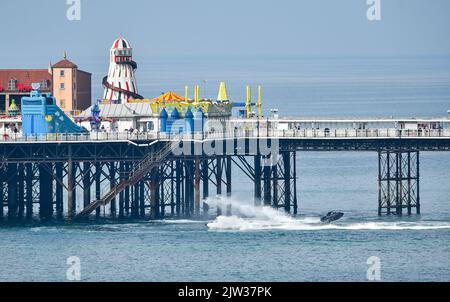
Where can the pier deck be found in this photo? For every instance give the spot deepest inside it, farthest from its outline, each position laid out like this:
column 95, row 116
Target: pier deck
column 67, row 176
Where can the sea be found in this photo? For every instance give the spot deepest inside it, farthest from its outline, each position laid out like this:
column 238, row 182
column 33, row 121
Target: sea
column 263, row 244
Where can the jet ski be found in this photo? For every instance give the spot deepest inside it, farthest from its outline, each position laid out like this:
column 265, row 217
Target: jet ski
column 332, row 216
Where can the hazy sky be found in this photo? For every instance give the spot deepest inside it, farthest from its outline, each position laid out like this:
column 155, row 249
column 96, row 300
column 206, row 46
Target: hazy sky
column 39, row 29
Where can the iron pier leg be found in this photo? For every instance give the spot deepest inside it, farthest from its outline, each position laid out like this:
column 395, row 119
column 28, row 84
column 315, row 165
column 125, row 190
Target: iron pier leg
column 287, row 181
column 135, row 202
column 159, row 201
column 178, row 180
column 121, row 194
column 98, row 173
column 205, row 184
column 267, row 169
column 389, row 177
column 2, row 197
column 189, row 188
column 219, row 182
column 228, row 177
column 399, row 184
column 112, row 184
column 142, row 199
column 409, row 184
column 257, row 180
column 275, row 202
column 21, row 199
column 154, row 209
column 172, row 189
column 71, row 189
column 86, row 184
column 191, row 203
column 161, row 196
column 59, row 190
column 399, row 190
column 380, row 191
column 417, row 183
column 12, row 191
column 295, row 181
column 45, row 191
column 127, row 191
column 197, row 187
column 184, row 192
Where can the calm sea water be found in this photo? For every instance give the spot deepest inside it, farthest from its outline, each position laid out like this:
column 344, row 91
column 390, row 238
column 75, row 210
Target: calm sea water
column 262, row 244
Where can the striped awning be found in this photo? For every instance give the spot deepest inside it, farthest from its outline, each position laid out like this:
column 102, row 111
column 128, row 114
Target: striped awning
column 169, row 97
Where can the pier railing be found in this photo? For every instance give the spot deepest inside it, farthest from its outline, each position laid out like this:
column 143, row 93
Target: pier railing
column 237, row 133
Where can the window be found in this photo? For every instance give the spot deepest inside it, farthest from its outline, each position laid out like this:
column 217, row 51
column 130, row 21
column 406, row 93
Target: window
column 62, row 73
column 12, row 84
column 62, row 103
column 62, row 86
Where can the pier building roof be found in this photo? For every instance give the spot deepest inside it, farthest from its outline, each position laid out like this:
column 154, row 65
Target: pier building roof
column 128, row 110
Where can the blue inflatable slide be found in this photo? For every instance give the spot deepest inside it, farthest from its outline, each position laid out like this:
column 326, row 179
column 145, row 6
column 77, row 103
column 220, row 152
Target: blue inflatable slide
column 41, row 115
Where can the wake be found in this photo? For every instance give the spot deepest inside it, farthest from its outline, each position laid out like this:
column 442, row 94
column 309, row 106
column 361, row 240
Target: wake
column 248, row 217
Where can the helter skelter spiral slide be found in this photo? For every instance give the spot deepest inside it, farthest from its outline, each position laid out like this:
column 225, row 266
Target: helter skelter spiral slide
column 120, row 83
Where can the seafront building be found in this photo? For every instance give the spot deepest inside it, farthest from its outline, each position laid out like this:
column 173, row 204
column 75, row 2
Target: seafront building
column 70, row 85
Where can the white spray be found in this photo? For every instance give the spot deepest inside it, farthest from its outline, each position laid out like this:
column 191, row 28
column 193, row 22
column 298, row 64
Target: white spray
column 247, row 217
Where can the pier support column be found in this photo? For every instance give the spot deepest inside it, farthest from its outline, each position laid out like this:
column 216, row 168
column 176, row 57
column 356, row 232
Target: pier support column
column 398, row 181
column 21, row 189
column 98, row 173
column 228, row 174
column 266, row 182
column 398, row 184
column 2, row 186
column 154, row 207
column 12, row 191
column 112, row 184
column 275, row 201
column 86, row 184
column 142, row 199
column 189, row 188
column 205, row 185
column 197, row 187
column 280, row 181
column 172, row 188
column 45, row 191
column 127, row 191
column 71, row 189
column 59, row 190
column 122, row 193
column 257, row 180
column 178, row 184
column 287, row 181
column 161, row 192
column 294, row 175
column 219, row 183
column 135, row 202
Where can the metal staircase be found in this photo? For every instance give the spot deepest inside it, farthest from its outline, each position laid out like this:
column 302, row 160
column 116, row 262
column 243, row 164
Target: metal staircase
column 152, row 160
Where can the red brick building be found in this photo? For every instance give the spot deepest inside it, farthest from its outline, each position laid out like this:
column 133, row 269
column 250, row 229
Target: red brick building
column 70, row 86
column 16, row 83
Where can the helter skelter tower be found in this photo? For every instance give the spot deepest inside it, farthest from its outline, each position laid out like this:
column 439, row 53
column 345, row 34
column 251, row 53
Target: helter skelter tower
column 120, row 84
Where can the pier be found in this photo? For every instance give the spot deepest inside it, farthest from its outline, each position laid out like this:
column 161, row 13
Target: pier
column 160, row 175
